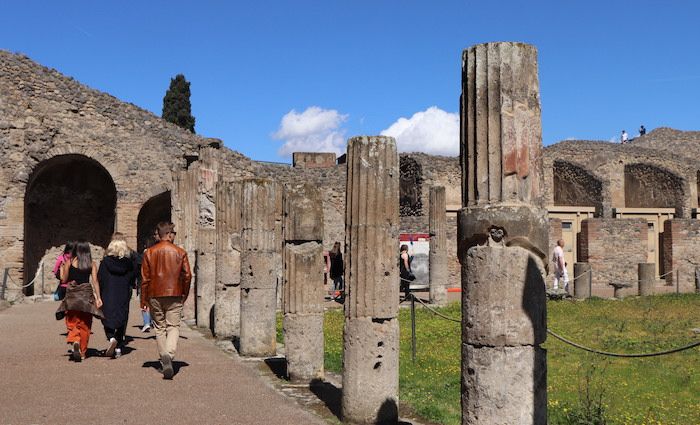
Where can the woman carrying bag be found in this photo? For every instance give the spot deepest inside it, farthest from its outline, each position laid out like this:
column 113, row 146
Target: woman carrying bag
column 82, row 300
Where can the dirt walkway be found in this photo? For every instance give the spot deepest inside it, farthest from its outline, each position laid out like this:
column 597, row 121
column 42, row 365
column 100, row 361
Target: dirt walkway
column 39, row 385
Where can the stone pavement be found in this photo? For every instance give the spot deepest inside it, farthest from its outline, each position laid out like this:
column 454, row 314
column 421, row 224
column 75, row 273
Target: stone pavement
column 39, row 385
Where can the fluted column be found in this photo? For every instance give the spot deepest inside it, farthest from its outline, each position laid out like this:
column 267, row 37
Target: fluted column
column 437, row 218
column 228, row 261
column 208, row 175
column 502, row 233
column 371, row 332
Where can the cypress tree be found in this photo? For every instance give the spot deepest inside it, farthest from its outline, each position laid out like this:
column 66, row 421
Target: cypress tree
column 176, row 103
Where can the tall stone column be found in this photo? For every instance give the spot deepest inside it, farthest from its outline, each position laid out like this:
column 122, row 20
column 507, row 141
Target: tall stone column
column 206, row 237
column 261, row 202
column 646, row 276
column 437, row 217
column 371, row 331
column 185, row 212
column 227, row 309
column 303, row 282
column 502, row 233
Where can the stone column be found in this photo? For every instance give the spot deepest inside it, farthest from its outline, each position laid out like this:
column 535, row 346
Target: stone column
column 259, row 274
column 227, row 310
column 303, row 282
column 582, row 280
column 437, row 218
column 371, row 332
column 502, row 233
column 206, row 237
column 646, row 274
column 185, row 213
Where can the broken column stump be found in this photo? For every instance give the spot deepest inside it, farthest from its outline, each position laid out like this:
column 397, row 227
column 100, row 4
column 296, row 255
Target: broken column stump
column 259, row 274
column 646, row 274
column 502, row 234
column 303, row 283
column 371, row 331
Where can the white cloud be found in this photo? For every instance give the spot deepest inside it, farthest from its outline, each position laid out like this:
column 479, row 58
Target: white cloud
column 432, row 131
column 314, row 130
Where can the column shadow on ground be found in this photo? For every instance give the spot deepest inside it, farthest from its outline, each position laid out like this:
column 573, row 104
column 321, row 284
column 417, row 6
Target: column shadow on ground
column 329, row 394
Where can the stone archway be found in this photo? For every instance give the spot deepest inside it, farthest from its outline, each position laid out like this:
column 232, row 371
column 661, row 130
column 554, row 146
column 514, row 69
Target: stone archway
column 649, row 186
column 68, row 197
column 575, row 186
column 152, row 212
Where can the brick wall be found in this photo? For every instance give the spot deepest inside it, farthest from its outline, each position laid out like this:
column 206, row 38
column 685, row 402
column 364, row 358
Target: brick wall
column 681, row 252
column 614, row 248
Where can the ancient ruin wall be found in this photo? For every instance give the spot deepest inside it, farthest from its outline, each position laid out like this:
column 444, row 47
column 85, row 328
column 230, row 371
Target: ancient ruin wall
column 681, row 252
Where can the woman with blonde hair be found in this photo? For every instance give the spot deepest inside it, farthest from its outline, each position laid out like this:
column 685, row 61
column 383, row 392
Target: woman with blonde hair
column 116, row 276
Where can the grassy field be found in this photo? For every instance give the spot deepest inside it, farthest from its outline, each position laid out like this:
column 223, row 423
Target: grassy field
column 657, row 390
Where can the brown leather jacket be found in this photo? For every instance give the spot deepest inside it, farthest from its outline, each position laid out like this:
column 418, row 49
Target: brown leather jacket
column 165, row 272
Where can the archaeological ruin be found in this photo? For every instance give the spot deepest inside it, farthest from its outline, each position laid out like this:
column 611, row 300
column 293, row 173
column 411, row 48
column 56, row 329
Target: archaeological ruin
column 79, row 164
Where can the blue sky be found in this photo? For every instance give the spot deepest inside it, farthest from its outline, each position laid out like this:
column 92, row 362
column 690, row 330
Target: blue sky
column 270, row 77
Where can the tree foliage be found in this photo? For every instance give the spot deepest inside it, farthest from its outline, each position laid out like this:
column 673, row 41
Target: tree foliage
column 176, row 103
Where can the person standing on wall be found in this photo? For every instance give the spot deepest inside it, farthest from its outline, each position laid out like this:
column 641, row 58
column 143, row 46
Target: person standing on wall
column 560, row 273
column 82, row 301
column 336, row 269
column 642, row 130
column 624, row 137
column 165, row 285
column 116, row 276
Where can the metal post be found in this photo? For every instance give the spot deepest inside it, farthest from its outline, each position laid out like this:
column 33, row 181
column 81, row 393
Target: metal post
column 678, row 281
column 4, row 283
column 42, row 280
column 413, row 327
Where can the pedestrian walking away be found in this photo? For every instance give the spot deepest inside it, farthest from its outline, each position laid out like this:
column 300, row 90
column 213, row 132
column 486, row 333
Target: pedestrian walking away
column 336, row 269
column 82, row 300
column 60, row 292
column 116, row 276
column 165, row 285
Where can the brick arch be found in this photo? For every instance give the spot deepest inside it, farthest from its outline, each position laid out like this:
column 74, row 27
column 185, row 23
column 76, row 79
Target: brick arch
column 650, row 186
column 576, row 186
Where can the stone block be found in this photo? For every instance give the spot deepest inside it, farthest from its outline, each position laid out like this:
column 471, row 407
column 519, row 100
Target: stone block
column 504, row 385
column 258, row 322
column 370, row 370
column 259, row 270
column 303, row 345
column 262, row 211
column 503, row 297
column 205, row 275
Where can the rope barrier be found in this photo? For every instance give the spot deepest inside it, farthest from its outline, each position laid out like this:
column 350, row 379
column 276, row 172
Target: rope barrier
column 435, row 311
column 18, row 286
column 609, row 354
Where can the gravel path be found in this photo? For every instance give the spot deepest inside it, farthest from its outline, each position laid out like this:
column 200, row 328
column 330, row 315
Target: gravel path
column 39, row 385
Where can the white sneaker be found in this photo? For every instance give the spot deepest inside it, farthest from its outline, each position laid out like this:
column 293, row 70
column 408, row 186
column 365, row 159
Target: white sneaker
column 109, row 352
column 146, row 327
column 117, row 353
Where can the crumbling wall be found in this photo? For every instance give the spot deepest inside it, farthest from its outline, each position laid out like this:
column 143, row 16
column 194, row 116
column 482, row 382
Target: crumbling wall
column 650, row 186
column 574, row 186
column 681, row 252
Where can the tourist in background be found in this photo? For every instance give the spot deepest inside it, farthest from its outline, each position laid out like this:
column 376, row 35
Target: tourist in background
column 116, row 276
column 642, row 130
column 145, row 310
column 82, row 301
column 624, row 137
column 60, row 292
column 405, row 272
column 560, row 273
column 335, row 258
column 166, row 283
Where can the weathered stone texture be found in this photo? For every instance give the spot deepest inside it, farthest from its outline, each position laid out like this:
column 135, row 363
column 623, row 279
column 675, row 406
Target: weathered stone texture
column 371, row 228
column 304, row 346
column 228, row 260
column 646, row 273
column 503, row 297
column 504, row 385
column 261, row 215
column 370, row 370
column 206, row 277
column 313, row 159
column 303, row 289
column 502, row 140
column 438, row 246
column 258, row 322
column 613, row 248
column 582, row 280
column 303, row 213
column 682, row 253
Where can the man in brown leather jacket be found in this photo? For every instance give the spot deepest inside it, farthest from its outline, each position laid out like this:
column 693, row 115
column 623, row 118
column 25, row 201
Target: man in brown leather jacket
column 164, row 288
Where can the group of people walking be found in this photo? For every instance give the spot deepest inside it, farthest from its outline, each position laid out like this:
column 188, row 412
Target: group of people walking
column 162, row 274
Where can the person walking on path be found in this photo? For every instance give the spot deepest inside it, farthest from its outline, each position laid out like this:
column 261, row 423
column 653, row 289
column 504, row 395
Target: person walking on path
column 165, row 285
column 405, row 272
column 145, row 311
column 82, row 301
column 560, row 273
column 335, row 257
column 116, row 276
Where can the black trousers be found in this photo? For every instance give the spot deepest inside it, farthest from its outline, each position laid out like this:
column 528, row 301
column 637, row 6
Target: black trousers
column 117, row 334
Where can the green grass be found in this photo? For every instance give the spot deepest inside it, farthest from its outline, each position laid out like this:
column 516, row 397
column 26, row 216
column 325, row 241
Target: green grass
column 657, row 390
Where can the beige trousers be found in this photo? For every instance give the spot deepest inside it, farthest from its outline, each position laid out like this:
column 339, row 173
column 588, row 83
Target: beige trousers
column 166, row 313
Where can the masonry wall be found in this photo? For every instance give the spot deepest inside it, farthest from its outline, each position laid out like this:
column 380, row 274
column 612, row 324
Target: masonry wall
column 681, row 253
column 614, row 248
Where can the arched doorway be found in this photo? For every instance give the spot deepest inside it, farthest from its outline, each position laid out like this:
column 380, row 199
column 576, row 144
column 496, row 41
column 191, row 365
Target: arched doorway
column 152, row 212
column 68, row 197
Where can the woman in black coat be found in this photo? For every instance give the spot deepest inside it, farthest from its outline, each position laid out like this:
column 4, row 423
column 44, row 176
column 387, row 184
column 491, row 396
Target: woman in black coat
column 116, row 276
